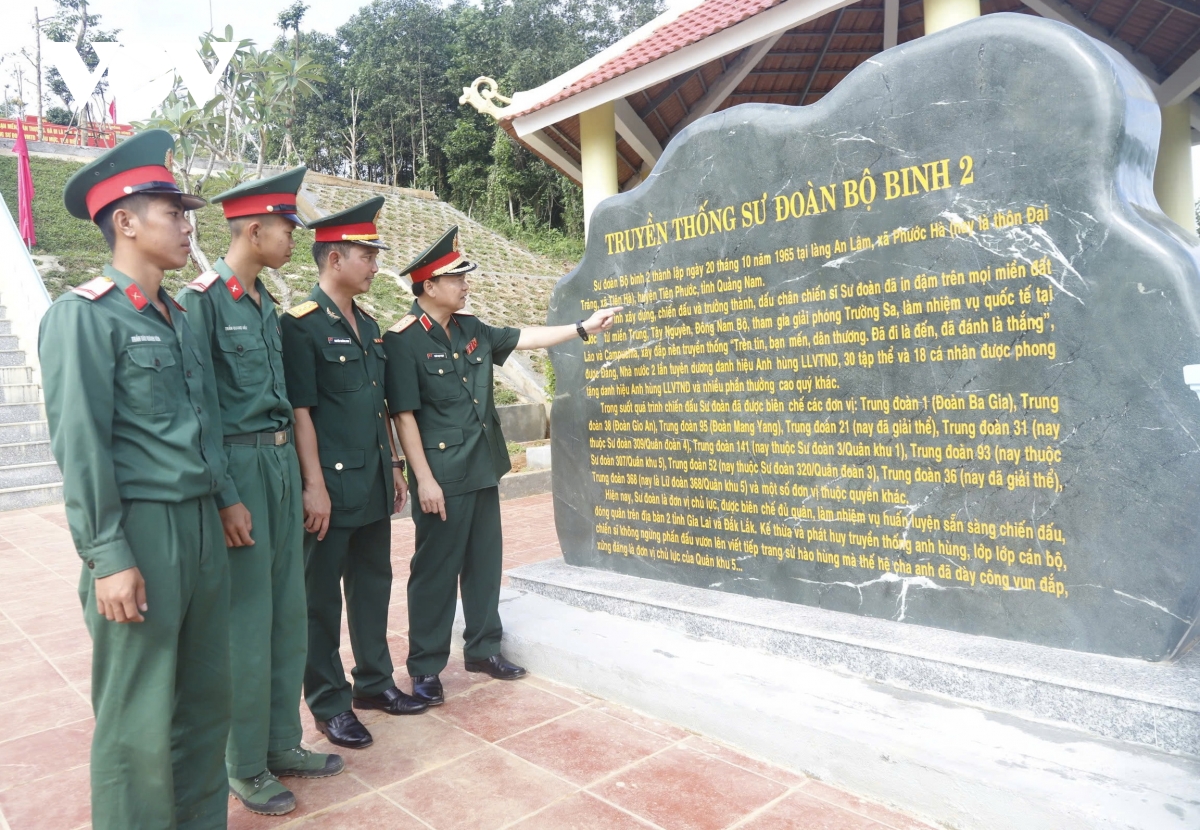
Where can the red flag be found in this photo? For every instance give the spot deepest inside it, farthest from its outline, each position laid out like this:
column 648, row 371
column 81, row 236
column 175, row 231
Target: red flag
column 112, row 110
column 24, row 189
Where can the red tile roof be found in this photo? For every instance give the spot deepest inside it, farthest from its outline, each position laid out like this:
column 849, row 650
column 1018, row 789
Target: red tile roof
column 707, row 19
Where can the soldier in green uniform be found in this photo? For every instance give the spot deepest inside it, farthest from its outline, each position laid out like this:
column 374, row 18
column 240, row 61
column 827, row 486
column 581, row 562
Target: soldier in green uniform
column 333, row 357
column 439, row 391
column 236, row 322
column 135, row 428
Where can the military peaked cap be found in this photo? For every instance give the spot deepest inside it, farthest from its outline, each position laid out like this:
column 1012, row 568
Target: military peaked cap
column 275, row 196
column 356, row 224
column 441, row 259
column 139, row 164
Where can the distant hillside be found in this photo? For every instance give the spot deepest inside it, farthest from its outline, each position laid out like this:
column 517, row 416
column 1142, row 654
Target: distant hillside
column 511, row 287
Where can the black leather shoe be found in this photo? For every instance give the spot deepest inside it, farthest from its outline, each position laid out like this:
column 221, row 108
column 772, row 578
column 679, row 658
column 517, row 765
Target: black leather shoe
column 428, row 688
column 497, row 667
column 345, row 730
column 393, row 701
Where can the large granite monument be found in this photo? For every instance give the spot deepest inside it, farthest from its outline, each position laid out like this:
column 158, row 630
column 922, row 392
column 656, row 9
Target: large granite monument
column 913, row 352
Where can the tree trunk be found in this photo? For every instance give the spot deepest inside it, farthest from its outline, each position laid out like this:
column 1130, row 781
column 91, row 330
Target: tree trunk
column 37, row 26
column 262, row 150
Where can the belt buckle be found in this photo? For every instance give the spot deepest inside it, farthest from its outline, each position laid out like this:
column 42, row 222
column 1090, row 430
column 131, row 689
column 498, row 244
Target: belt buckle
column 281, row 438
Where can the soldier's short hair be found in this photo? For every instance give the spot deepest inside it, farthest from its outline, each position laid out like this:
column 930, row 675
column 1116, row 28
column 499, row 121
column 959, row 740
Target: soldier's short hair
column 321, row 251
column 137, row 203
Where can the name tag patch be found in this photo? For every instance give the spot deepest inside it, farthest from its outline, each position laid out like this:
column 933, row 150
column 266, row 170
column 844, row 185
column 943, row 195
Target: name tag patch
column 145, row 338
column 340, row 341
column 236, row 328
column 435, row 356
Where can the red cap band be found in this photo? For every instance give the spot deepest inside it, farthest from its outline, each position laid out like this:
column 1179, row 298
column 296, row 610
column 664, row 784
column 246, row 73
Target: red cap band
column 427, row 271
column 282, row 204
column 109, row 190
column 338, row 233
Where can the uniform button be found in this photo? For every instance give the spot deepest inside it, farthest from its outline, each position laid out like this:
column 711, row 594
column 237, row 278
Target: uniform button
column 456, row 355
column 189, row 374
column 342, row 358
column 464, row 380
column 379, row 414
column 373, row 383
column 442, row 445
column 476, row 400
column 337, row 466
column 441, row 372
column 197, row 409
column 241, row 348
column 92, row 565
column 381, row 446
column 485, row 426
column 364, row 351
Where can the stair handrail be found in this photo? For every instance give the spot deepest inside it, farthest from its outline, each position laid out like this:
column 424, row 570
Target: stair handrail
column 22, row 290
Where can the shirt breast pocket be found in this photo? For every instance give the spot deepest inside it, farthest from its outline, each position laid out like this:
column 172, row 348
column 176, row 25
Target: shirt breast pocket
column 146, row 379
column 441, row 381
column 246, row 354
column 341, row 370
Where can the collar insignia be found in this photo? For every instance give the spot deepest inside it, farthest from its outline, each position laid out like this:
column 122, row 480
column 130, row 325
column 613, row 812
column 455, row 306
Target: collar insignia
column 426, row 323
column 332, row 316
column 136, row 297
column 235, row 288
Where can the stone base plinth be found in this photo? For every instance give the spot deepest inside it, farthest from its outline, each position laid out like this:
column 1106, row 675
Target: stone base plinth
column 967, row 731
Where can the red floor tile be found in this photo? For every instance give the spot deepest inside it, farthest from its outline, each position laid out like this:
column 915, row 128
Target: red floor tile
column 581, row 812
column 766, row 770
column 584, row 746
column 682, row 789
column 17, row 653
column 802, row 812
column 658, row 727
column 67, row 641
column 485, row 790
column 60, row 801
column 870, row 809
column 38, row 713
column 9, row 632
column 456, row 679
column 500, row 709
column 405, row 746
column 46, row 753
column 32, row 678
column 312, row 796
column 574, row 695
column 370, row 812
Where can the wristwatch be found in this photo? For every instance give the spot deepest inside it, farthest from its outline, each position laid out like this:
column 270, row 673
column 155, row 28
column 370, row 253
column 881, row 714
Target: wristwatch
column 399, row 465
column 583, row 335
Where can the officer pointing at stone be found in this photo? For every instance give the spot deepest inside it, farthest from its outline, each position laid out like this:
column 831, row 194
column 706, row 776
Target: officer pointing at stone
column 439, row 390
column 333, row 356
column 135, row 429
column 237, row 324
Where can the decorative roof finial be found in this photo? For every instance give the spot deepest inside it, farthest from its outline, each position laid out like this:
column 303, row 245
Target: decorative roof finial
column 482, row 94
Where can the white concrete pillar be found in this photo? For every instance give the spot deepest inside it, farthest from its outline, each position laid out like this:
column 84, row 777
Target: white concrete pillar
column 598, row 149
column 1173, row 173
column 942, row 14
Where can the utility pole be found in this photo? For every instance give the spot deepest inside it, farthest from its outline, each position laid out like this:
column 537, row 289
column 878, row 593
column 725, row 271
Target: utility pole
column 37, row 28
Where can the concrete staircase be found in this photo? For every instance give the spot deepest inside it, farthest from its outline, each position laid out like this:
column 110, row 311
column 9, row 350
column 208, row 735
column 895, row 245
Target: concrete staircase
column 28, row 474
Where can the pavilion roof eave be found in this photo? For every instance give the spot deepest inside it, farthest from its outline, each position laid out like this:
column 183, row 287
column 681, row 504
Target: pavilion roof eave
column 528, row 99
column 766, row 24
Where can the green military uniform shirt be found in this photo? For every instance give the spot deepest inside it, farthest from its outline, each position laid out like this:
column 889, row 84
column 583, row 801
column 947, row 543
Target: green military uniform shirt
column 341, row 377
column 447, row 384
column 132, row 409
column 247, row 353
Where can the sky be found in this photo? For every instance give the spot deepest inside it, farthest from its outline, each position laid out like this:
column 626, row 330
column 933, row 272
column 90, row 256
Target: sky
column 148, row 23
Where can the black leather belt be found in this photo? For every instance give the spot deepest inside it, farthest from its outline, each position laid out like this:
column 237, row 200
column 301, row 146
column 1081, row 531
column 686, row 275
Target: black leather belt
column 262, row 439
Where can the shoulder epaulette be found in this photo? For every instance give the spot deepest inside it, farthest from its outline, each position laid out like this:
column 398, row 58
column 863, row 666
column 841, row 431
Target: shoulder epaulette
column 464, row 314
column 204, row 282
column 403, row 323
column 94, row 289
column 304, row 308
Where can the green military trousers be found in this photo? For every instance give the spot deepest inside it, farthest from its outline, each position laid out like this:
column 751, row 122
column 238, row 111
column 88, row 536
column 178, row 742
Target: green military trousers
column 160, row 688
column 267, row 618
column 468, row 545
column 361, row 558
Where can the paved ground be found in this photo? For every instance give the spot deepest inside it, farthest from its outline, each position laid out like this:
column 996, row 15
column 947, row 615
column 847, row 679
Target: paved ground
column 532, row 755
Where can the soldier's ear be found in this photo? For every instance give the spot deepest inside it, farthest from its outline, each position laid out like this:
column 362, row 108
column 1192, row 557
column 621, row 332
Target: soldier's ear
column 124, row 223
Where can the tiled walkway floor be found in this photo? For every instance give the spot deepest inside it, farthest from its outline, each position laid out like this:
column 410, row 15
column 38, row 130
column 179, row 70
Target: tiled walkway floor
column 532, row 754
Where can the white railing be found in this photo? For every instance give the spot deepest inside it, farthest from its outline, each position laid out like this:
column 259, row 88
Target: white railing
column 22, row 291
